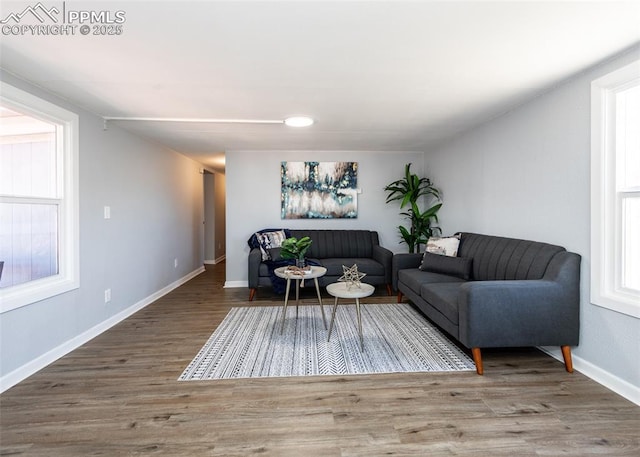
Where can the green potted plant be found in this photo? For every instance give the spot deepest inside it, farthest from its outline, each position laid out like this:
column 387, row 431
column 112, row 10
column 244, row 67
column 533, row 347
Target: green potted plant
column 293, row 248
column 409, row 190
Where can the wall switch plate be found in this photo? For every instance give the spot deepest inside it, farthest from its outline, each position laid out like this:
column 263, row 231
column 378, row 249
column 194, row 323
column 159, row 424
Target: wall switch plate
column 175, row 263
column 107, row 212
column 107, row 295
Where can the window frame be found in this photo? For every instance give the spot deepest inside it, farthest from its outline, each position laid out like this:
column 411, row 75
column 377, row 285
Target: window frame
column 68, row 277
column 606, row 198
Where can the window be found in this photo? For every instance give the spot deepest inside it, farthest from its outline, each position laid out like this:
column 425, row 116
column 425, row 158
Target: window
column 615, row 190
column 38, row 199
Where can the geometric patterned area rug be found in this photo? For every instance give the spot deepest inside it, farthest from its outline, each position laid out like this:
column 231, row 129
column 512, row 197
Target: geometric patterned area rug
column 397, row 338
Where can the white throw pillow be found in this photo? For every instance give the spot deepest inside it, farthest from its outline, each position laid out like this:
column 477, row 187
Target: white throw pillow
column 446, row 245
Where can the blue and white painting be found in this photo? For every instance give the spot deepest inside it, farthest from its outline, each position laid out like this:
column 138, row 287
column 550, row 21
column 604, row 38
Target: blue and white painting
column 319, row 190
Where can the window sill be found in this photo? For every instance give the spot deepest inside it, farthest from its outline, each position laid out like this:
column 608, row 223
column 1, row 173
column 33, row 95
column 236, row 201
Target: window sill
column 620, row 303
column 34, row 291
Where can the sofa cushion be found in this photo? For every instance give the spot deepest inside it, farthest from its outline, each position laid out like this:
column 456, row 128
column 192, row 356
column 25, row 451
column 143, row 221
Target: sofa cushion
column 443, row 297
column 368, row 266
column 414, row 278
column 456, row 266
column 328, row 244
column 263, row 270
column 447, row 245
column 496, row 258
column 274, row 254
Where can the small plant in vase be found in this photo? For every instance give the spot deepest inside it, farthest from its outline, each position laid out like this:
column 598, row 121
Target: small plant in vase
column 293, row 248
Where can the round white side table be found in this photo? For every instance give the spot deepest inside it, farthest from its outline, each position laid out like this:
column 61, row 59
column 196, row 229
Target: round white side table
column 341, row 290
column 315, row 273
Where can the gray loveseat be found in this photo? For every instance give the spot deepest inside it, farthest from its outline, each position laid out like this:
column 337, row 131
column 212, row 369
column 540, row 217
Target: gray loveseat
column 497, row 292
column 331, row 249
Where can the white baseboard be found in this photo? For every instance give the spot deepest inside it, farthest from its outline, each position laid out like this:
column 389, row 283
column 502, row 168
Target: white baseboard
column 232, row 284
column 216, row 261
column 611, row 382
column 19, row 374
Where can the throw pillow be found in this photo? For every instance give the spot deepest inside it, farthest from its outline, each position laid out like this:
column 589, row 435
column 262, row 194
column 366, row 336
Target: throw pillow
column 447, row 265
column 274, row 254
column 269, row 240
column 447, row 245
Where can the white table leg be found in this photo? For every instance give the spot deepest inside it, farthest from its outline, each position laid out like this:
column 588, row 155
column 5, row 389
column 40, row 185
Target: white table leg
column 324, row 320
column 333, row 315
column 297, row 296
column 359, row 322
column 286, row 300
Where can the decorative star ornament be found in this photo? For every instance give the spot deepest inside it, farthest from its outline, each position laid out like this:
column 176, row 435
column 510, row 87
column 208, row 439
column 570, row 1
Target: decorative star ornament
column 351, row 276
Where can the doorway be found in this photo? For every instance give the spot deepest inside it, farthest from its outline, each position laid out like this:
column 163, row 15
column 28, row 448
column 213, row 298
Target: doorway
column 214, row 217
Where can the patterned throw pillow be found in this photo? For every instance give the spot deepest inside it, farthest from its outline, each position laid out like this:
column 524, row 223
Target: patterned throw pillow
column 270, row 240
column 444, row 246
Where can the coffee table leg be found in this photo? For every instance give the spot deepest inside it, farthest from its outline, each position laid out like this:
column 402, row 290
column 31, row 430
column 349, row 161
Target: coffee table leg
column 286, row 299
column 297, row 296
column 333, row 316
column 359, row 323
column 324, row 320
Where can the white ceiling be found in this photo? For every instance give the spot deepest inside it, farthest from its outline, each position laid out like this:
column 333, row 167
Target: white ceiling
column 392, row 76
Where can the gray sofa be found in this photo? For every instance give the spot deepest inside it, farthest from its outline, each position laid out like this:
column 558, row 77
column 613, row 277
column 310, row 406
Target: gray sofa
column 331, row 249
column 497, row 292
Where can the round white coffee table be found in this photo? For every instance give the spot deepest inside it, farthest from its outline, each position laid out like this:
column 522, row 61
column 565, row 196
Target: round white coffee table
column 315, row 273
column 342, row 290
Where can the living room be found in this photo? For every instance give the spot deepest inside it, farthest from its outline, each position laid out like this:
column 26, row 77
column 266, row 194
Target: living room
column 523, row 172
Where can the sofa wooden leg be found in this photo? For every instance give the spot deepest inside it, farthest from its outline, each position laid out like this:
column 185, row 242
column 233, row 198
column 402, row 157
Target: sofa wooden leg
column 566, row 354
column 399, row 297
column 389, row 291
column 477, row 359
column 252, row 293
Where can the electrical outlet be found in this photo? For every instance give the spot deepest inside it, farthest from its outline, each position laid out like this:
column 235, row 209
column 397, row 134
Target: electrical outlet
column 107, row 295
column 175, row 263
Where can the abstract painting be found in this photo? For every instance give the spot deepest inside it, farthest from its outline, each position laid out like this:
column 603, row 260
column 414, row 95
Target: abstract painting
column 319, row 190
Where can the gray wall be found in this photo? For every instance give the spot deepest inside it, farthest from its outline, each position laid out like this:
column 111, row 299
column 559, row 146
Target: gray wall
column 253, row 198
column 527, row 175
column 156, row 200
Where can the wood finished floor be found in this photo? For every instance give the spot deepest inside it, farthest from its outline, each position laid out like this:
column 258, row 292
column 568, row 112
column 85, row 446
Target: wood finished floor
column 118, row 396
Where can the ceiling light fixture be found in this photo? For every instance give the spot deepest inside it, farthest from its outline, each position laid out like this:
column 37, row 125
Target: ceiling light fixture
column 298, row 121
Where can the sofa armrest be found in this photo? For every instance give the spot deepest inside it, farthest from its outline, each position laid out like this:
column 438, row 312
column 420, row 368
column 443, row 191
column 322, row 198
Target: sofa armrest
column 517, row 313
column 254, row 261
column 401, row 262
column 384, row 257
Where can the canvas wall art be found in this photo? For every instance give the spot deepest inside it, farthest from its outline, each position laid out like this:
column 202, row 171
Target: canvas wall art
column 319, row 190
